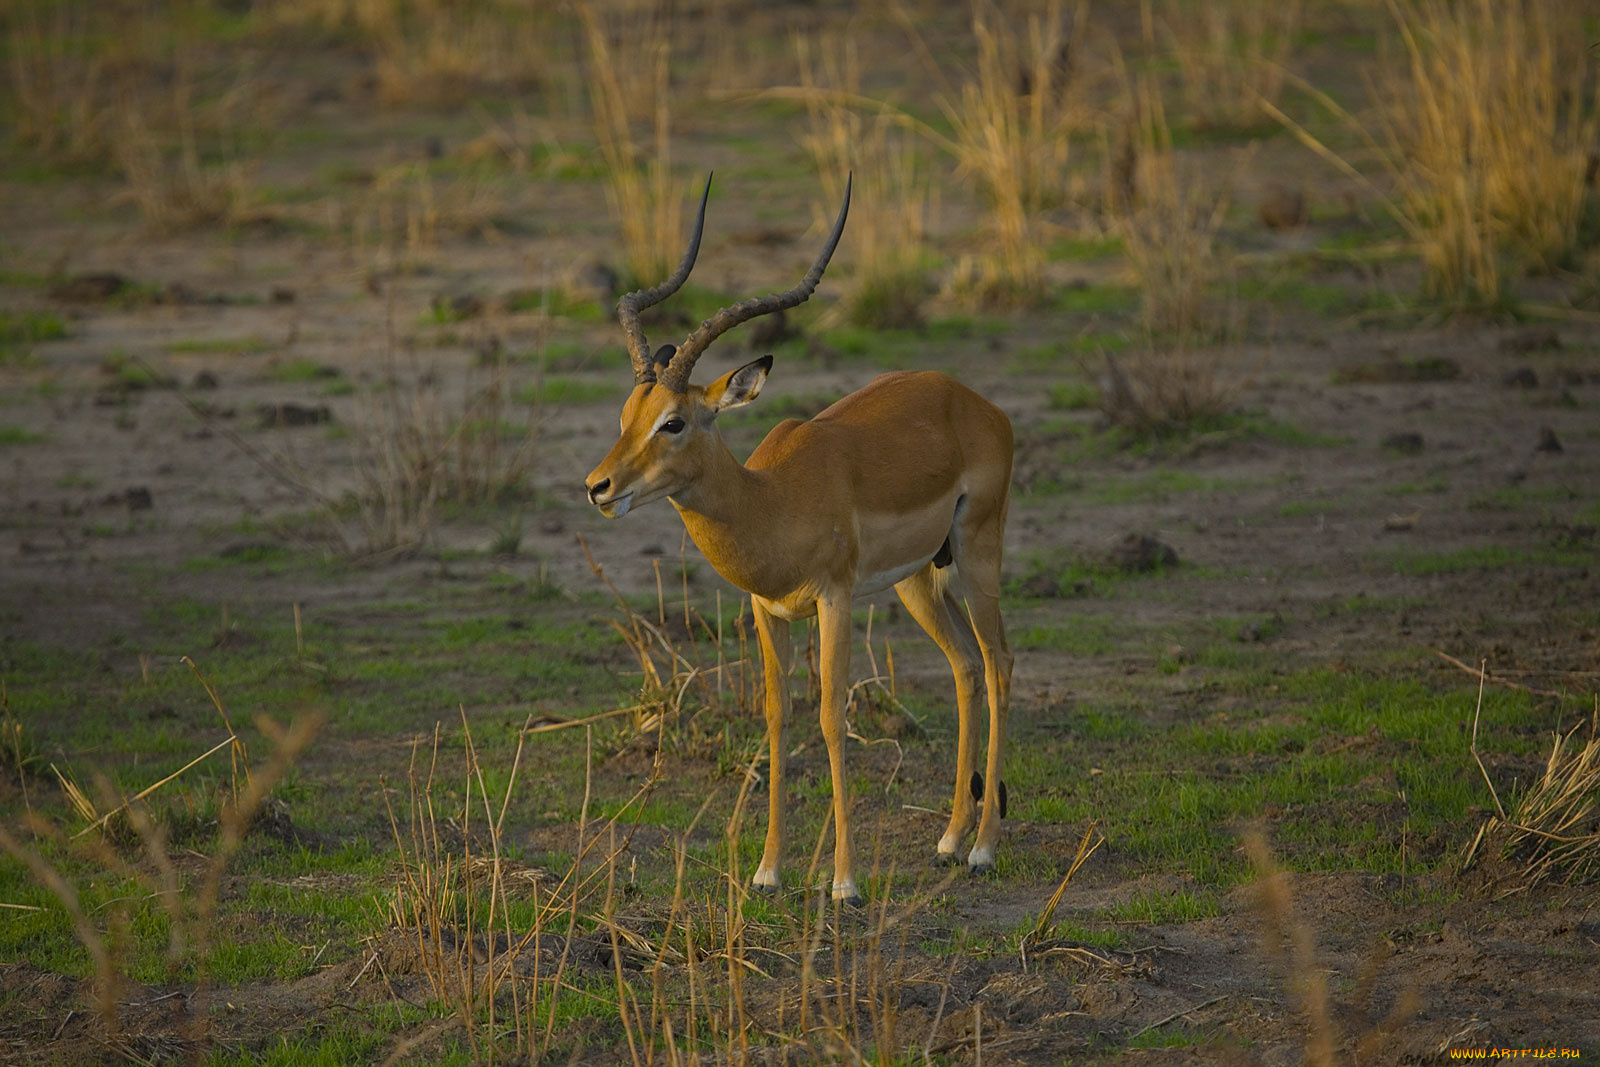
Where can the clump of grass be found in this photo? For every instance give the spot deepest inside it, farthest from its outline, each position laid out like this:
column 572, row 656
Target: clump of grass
column 405, row 209
column 414, row 449
column 190, row 907
column 60, row 99
column 647, row 203
column 21, row 330
column 1186, row 369
column 891, row 193
column 1552, row 828
column 1232, row 55
column 430, row 53
column 1012, row 122
column 1486, row 130
column 172, row 182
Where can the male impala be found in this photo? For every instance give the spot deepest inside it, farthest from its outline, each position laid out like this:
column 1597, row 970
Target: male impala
column 904, row 483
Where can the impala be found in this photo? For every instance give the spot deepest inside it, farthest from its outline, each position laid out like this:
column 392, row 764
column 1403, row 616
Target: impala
column 904, row 483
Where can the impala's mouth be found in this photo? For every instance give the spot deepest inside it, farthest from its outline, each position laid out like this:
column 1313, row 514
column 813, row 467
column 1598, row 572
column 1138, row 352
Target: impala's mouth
column 617, row 506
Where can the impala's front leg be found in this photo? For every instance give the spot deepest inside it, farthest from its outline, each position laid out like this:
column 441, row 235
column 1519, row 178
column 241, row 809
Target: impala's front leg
column 833, row 637
column 775, row 648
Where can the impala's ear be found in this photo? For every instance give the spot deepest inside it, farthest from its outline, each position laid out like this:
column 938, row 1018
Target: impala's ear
column 738, row 387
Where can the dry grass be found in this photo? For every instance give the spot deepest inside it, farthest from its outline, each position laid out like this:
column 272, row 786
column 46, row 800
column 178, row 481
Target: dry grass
column 1232, row 55
column 170, row 184
column 417, row 447
column 1012, row 121
column 402, row 214
column 191, row 907
column 61, row 95
column 639, row 185
column 1188, row 366
column 433, row 53
column 1552, row 828
column 892, row 196
column 1290, row 942
column 680, row 968
column 1486, row 127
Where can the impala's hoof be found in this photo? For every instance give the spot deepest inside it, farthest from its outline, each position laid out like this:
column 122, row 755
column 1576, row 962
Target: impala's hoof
column 854, row 900
column 980, row 870
column 945, row 859
column 761, row 889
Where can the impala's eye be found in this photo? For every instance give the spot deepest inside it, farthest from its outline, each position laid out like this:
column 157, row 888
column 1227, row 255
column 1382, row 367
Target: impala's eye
column 672, row 425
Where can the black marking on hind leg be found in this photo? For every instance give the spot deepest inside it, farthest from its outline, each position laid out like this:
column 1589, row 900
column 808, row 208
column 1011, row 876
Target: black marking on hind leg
column 977, row 791
column 944, row 557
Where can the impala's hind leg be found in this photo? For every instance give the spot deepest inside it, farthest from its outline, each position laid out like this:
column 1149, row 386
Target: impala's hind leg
column 980, row 567
column 926, row 596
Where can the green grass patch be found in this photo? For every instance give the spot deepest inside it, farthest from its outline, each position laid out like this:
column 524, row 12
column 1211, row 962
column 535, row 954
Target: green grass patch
column 1090, row 247
column 558, row 303
column 1482, row 558
column 1165, row 908
column 561, row 391
column 1074, row 396
column 1065, row 573
column 20, row 435
column 1114, row 300
column 21, row 330
column 222, row 346
column 302, row 370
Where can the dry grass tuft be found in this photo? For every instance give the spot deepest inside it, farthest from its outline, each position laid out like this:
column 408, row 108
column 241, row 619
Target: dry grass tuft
column 1287, row 940
column 647, row 203
column 1552, row 828
column 676, row 690
column 432, row 53
column 401, row 215
column 171, row 185
column 1486, row 131
column 1012, row 123
column 892, row 196
column 1232, row 55
column 191, row 906
column 61, row 98
column 1188, row 366
column 417, row 447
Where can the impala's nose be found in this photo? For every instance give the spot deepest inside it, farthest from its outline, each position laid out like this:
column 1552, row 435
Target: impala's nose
column 597, row 489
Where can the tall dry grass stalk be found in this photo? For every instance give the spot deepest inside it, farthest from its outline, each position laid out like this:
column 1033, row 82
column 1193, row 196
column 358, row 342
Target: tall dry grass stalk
column 405, row 210
column 1552, row 827
column 647, row 202
column 1232, row 54
column 417, row 447
column 1291, row 943
column 679, row 968
column 173, row 188
column 190, row 903
column 1012, row 122
column 1187, row 366
column 1487, row 124
column 892, row 196
column 61, row 99
column 432, row 53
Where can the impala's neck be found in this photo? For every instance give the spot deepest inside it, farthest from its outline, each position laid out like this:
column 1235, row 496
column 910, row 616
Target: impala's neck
column 732, row 513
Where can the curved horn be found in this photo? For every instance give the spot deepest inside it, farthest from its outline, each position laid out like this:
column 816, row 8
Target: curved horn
column 675, row 375
column 631, row 304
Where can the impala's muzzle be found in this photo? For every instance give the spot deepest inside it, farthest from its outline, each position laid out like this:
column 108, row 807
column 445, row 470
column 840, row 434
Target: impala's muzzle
column 612, row 507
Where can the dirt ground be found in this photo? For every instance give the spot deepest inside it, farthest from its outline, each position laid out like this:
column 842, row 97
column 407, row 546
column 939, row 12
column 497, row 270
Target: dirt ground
column 113, row 490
